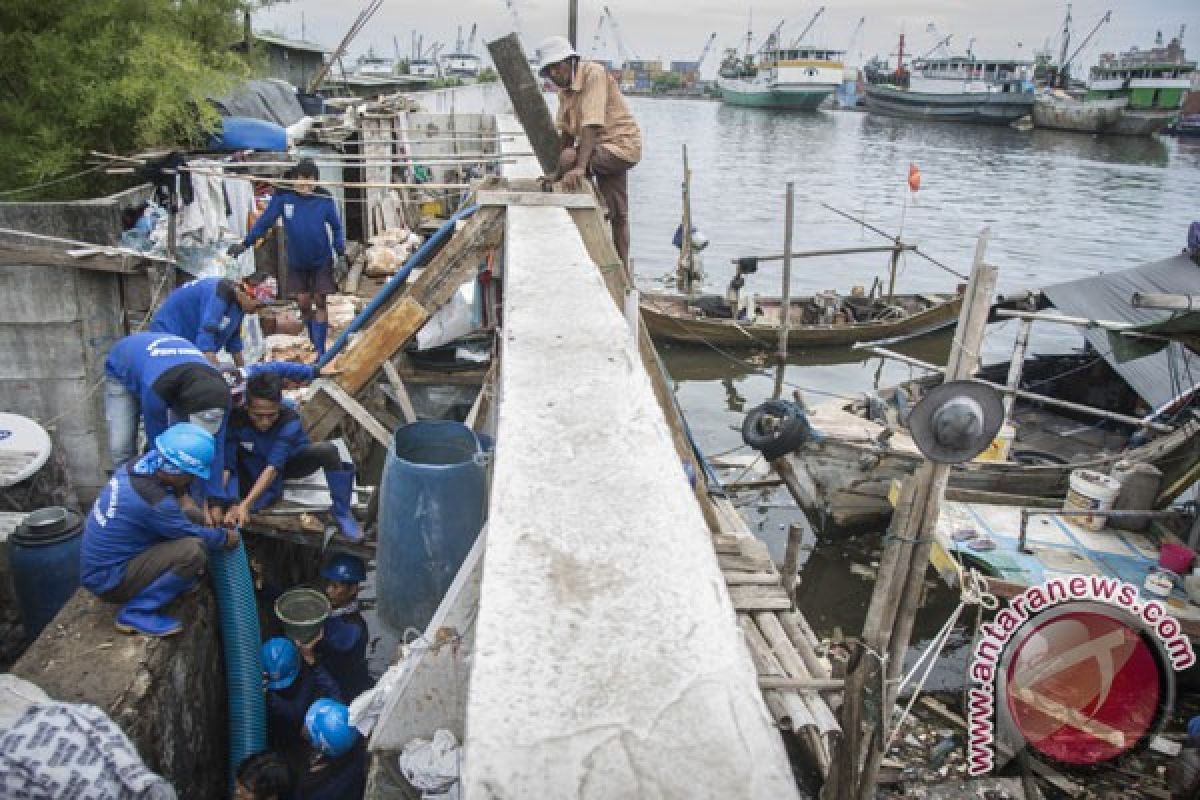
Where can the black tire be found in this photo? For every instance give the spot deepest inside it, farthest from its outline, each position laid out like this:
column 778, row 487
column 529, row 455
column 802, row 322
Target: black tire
column 1037, row 458
column 775, row 428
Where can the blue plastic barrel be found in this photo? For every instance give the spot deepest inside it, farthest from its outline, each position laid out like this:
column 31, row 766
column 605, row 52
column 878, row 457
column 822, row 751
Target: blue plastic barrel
column 43, row 553
column 431, row 509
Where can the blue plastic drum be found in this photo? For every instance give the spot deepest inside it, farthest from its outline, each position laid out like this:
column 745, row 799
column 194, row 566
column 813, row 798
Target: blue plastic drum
column 44, row 555
column 432, row 507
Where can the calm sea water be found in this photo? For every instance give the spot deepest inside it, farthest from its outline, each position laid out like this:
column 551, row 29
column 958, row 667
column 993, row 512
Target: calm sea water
column 1058, row 207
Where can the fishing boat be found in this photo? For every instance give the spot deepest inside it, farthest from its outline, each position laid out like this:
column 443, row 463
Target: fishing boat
column 1109, row 403
column 795, row 78
column 1154, row 83
column 826, row 319
column 953, row 89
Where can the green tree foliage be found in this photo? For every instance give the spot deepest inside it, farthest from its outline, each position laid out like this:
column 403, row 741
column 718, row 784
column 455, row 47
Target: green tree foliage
column 109, row 75
column 487, row 75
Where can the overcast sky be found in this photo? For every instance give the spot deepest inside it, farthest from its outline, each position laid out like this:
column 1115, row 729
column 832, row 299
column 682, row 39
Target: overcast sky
column 677, row 29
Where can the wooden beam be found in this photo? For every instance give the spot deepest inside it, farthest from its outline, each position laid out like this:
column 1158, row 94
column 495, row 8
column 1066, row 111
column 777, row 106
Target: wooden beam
column 525, row 92
column 402, row 398
column 38, row 256
column 356, row 410
column 392, row 328
column 800, row 684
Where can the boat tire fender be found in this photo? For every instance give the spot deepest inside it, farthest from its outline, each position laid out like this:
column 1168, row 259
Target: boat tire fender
column 776, row 428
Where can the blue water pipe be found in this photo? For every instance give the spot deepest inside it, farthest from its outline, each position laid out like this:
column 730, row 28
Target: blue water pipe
column 396, row 281
column 240, row 639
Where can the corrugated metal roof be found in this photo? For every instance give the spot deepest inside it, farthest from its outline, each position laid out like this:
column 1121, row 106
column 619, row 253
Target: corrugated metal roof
column 291, row 44
column 1160, row 377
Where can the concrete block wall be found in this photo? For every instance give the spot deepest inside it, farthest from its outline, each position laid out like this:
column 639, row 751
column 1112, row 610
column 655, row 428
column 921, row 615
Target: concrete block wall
column 57, row 324
column 168, row 695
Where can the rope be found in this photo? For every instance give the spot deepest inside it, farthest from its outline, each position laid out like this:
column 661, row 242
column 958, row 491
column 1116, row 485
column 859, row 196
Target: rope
column 53, row 182
column 972, row 592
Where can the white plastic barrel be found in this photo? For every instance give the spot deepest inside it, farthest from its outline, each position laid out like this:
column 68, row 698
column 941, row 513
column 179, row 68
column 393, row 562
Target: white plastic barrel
column 1091, row 491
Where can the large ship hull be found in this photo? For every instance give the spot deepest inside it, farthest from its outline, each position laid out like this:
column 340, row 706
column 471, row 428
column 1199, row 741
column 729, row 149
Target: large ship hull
column 1096, row 116
column 991, row 108
column 763, row 95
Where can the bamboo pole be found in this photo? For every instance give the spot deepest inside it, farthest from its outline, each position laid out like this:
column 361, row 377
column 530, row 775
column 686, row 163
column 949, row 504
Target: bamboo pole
column 895, row 262
column 1016, row 367
column 785, row 308
column 837, row 251
column 1166, row 302
column 345, row 184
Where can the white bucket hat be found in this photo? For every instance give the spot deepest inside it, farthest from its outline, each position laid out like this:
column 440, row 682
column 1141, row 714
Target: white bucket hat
column 554, row 50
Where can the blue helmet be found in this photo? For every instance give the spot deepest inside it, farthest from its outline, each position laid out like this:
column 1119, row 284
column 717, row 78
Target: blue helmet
column 187, row 447
column 327, row 724
column 344, row 568
column 280, row 662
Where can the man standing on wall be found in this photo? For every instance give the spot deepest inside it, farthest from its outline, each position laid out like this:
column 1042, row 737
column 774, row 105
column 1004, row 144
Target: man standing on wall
column 600, row 138
column 309, row 218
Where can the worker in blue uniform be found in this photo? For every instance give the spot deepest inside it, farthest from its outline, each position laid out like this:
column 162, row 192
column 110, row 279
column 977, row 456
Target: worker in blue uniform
column 143, row 542
column 208, row 312
column 343, row 647
column 165, row 379
column 294, row 681
column 307, row 211
column 337, row 768
column 266, row 443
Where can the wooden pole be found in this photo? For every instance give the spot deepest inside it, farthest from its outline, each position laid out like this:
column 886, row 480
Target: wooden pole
column 837, row 251
column 791, row 559
column 684, row 268
column 785, row 306
column 877, row 662
column 1016, row 366
column 526, row 94
column 573, row 22
column 892, row 270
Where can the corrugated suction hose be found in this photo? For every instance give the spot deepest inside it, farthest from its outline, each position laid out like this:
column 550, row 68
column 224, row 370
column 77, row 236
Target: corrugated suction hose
column 240, row 640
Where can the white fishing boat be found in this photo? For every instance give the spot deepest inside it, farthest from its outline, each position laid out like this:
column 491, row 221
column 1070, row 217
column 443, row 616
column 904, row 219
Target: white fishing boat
column 797, row 78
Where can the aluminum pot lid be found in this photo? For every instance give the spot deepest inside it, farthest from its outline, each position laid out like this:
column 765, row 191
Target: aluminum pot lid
column 956, row 421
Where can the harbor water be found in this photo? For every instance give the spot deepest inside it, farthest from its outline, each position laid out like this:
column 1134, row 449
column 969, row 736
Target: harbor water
column 1059, row 206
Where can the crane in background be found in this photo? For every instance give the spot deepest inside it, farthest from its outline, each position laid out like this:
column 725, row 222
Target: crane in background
column 471, row 39
column 616, row 29
column 596, row 40
column 704, row 53
column 808, row 27
column 943, row 42
column 856, row 37
column 516, row 21
column 772, row 40
column 1106, row 18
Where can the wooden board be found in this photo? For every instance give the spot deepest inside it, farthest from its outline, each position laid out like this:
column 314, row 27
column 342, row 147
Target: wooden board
column 759, row 598
column 391, row 328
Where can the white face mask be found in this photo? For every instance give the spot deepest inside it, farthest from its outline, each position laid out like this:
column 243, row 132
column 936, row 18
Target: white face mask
column 209, row 419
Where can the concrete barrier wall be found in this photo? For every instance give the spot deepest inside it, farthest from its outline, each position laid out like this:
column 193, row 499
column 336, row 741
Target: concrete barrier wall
column 167, row 695
column 607, row 660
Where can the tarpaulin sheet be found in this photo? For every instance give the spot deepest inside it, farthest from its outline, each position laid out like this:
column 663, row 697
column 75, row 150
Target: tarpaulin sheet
column 270, row 100
column 1157, row 377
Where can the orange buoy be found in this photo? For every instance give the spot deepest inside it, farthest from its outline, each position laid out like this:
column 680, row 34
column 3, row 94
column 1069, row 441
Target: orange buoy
column 914, row 177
